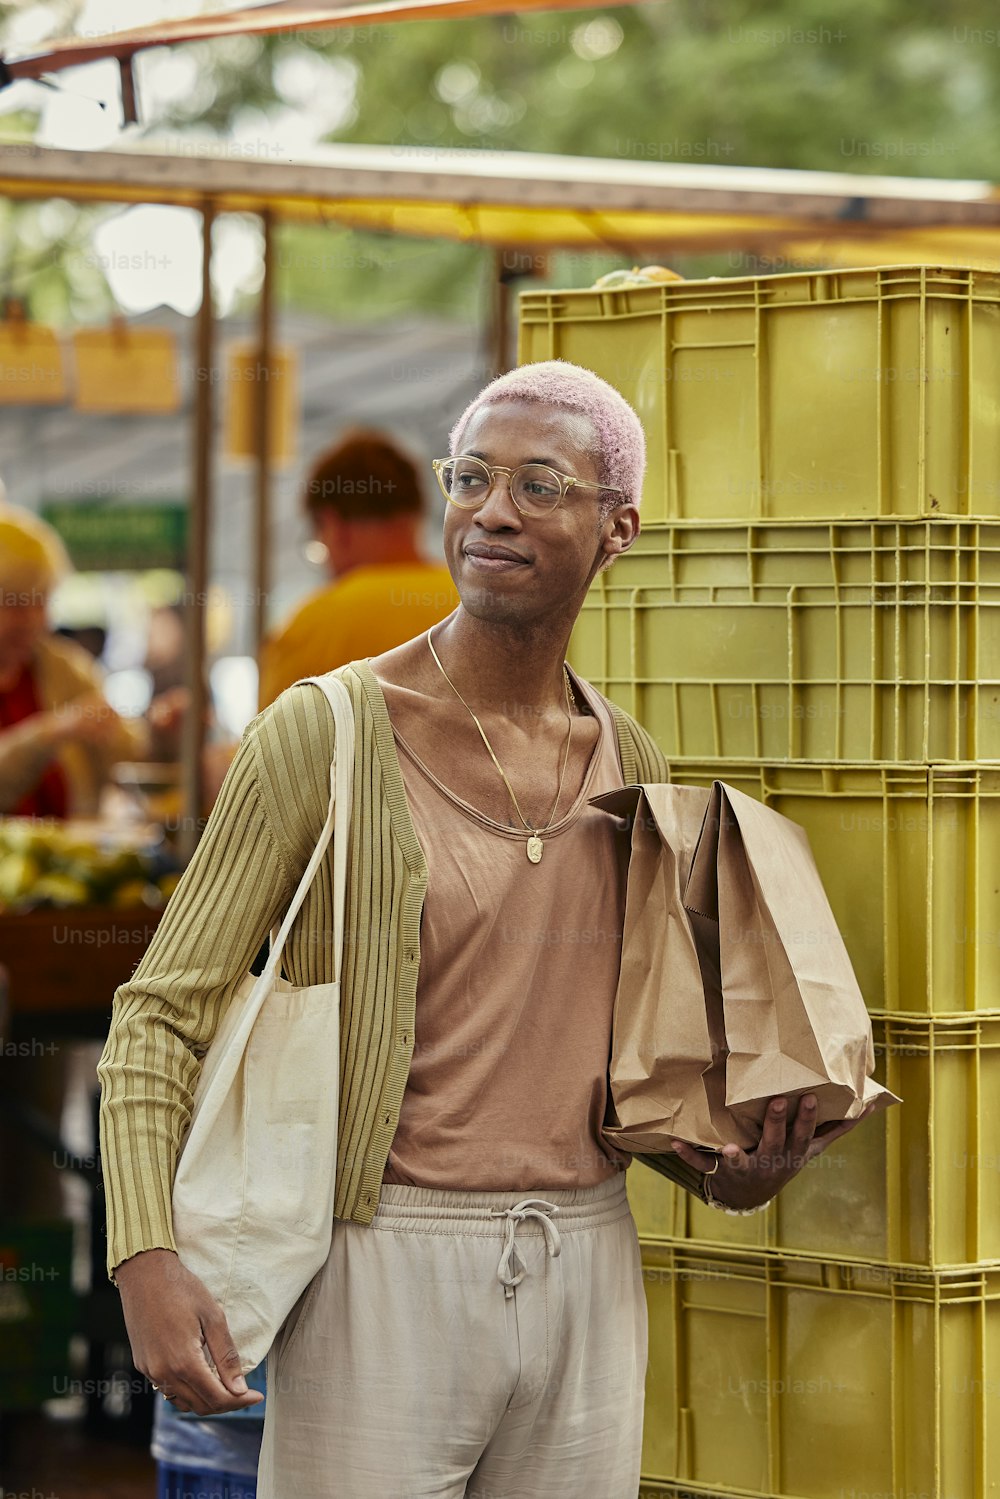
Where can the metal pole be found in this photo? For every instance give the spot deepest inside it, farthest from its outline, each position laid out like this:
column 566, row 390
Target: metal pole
column 130, row 94
column 501, row 315
column 262, row 438
column 198, row 540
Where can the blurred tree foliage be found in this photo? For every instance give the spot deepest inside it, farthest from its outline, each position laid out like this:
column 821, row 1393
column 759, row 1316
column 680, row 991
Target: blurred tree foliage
column 905, row 87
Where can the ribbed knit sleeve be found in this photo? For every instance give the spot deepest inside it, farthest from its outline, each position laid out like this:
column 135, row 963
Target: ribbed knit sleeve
column 241, row 877
column 651, row 765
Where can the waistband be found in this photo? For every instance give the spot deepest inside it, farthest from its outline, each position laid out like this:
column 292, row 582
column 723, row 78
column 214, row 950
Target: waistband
column 427, row 1209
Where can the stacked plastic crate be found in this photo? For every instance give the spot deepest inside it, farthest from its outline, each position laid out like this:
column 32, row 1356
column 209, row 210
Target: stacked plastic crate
column 812, row 613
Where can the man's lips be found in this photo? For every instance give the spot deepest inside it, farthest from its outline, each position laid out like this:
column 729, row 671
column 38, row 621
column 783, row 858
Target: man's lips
column 494, row 558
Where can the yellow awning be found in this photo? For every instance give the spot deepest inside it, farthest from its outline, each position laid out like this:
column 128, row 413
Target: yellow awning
column 509, row 199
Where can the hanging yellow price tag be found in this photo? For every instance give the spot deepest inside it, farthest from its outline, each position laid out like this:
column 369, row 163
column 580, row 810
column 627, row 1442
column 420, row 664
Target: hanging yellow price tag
column 243, row 375
column 32, row 368
column 126, row 369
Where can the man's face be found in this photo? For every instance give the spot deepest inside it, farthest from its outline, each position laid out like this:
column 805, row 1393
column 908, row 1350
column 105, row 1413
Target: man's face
column 557, row 555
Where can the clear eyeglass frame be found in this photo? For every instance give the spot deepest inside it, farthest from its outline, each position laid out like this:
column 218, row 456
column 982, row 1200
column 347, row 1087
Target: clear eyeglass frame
column 566, row 482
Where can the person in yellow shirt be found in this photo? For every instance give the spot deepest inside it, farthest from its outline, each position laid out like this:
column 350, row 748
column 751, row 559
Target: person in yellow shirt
column 366, row 503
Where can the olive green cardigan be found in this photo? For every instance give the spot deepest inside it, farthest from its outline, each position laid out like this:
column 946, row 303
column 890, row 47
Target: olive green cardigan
column 249, row 860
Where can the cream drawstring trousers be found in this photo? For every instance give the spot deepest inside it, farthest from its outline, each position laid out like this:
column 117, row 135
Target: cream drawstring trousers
column 465, row 1345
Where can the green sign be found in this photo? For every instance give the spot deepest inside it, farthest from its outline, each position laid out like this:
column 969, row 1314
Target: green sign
column 121, row 538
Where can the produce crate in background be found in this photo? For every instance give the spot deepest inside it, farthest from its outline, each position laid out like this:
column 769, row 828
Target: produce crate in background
column 811, row 1380
column 823, row 394
column 914, row 1186
column 908, row 856
column 844, row 641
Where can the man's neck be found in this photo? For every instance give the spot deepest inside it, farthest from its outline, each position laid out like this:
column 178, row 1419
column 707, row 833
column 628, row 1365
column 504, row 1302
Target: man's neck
column 497, row 663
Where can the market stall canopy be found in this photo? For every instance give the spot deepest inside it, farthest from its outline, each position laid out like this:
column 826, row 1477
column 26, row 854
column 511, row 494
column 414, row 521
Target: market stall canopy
column 508, row 198
column 260, row 20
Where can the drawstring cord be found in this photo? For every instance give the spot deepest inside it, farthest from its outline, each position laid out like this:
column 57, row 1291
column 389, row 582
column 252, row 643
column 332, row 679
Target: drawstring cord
column 529, row 1207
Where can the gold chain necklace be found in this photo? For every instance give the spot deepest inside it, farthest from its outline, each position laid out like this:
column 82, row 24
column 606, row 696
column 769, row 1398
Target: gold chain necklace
column 534, row 844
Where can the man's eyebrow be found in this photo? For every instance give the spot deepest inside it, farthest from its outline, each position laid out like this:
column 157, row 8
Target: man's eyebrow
column 546, row 462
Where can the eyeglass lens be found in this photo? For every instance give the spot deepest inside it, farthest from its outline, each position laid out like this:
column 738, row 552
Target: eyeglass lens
column 533, row 487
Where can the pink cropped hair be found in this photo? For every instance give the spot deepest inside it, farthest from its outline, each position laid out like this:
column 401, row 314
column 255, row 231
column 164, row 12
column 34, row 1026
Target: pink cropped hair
column 621, row 442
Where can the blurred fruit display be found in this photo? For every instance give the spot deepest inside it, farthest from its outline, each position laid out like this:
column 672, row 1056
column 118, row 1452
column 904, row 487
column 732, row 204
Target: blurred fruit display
column 67, row 864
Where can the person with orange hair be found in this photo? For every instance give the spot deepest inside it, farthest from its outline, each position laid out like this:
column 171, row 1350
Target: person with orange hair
column 366, row 504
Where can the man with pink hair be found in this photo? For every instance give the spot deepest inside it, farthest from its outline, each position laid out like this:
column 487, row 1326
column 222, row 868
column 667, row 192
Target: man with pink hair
column 479, row 1328
column 619, row 443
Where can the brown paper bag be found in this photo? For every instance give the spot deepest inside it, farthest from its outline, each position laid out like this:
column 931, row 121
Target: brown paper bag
column 668, row 1047
column 795, row 1020
column 716, row 1009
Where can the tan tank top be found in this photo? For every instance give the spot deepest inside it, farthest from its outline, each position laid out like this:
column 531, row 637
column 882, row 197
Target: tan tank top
column 519, row 965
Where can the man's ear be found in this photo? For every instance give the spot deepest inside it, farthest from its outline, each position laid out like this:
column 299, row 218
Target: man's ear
column 624, row 533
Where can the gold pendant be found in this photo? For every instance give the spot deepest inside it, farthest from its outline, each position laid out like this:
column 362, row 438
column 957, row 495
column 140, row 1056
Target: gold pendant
column 534, row 848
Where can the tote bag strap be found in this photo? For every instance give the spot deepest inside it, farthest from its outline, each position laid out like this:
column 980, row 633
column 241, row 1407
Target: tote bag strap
column 337, row 826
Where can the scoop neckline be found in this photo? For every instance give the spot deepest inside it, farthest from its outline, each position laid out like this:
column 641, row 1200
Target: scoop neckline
column 481, row 818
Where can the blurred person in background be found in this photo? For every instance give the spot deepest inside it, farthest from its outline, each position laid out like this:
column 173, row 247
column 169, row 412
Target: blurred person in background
column 59, row 738
column 367, row 506
column 165, row 663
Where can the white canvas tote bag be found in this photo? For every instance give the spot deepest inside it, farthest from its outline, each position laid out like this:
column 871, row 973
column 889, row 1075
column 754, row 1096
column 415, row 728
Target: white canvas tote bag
column 254, row 1187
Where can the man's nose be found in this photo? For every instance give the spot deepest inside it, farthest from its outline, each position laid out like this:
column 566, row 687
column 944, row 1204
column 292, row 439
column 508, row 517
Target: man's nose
column 499, row 502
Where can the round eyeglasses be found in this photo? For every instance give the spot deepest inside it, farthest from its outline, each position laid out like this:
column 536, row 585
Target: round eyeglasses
column 534, row 488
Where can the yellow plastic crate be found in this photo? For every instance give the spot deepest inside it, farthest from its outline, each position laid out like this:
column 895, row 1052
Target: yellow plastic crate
column 846, row 641
column 915, row 1186
column 827, row 394
column 813, row 1380
column 908, row 855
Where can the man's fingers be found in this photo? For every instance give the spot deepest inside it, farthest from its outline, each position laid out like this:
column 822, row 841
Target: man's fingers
column 701, row 1160
column 772, row 1139
column 202, row 1387
column 224, row 1352
column 803, row 1127
column 204, row 1393
column 177, row 1401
